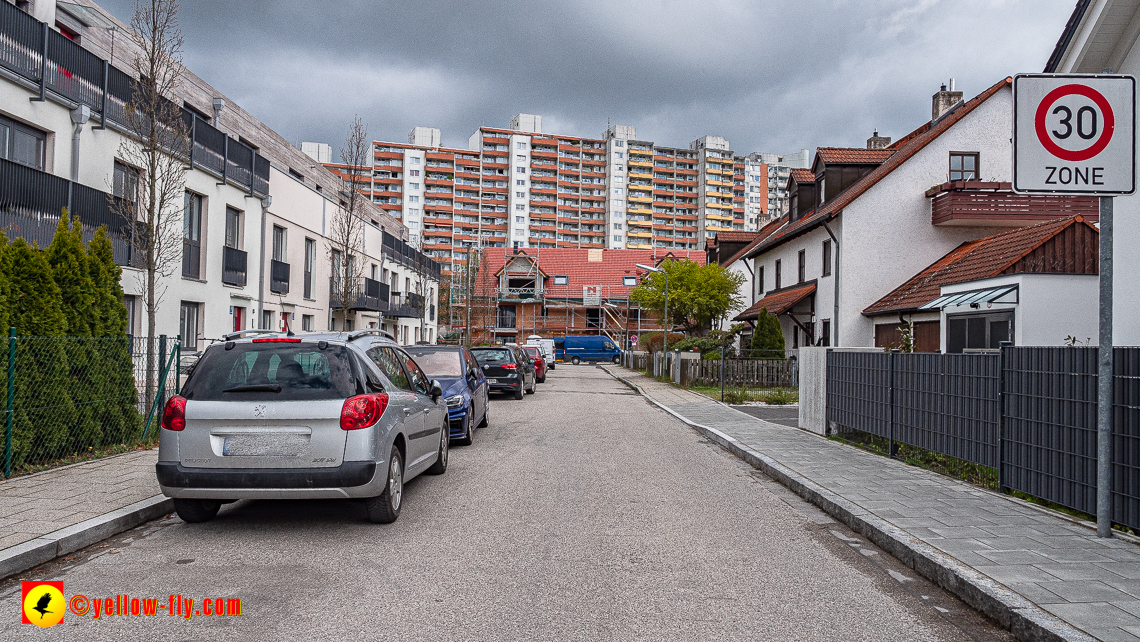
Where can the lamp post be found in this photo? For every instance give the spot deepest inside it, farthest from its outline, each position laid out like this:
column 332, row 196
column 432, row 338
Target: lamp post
column 647, row 268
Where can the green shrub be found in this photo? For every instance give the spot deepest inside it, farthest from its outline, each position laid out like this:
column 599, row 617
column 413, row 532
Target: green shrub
column 779, row 397
column 768, row 337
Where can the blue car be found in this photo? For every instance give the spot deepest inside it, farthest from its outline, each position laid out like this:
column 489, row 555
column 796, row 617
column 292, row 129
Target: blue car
column 464, row 387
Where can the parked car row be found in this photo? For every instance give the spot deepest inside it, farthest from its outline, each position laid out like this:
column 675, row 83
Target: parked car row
column 270, row 415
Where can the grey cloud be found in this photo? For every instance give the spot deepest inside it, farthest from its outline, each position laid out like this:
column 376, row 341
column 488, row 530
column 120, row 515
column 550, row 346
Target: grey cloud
column 768, row 76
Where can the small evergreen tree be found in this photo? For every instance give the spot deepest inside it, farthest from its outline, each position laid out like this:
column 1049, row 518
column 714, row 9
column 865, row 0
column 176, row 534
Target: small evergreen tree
column 117, row 414
column 768, row 340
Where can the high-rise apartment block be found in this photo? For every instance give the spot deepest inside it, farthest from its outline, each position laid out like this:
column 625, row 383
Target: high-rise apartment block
column 522, row 187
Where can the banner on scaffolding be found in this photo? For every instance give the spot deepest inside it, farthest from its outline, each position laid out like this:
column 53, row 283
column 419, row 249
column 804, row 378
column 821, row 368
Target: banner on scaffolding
column 592, row 295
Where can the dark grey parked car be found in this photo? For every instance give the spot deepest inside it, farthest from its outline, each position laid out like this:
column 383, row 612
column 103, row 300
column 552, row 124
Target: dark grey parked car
column 273, row 416
column 508, row 369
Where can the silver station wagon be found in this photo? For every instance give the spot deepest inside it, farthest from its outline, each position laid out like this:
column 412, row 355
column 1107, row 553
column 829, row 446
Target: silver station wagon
column 266, row 415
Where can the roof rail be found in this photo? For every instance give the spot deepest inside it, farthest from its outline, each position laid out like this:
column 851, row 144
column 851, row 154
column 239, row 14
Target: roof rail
column 242, row 333
column 356, row 334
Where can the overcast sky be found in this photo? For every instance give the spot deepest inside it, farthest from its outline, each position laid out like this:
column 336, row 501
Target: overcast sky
column 769, row 76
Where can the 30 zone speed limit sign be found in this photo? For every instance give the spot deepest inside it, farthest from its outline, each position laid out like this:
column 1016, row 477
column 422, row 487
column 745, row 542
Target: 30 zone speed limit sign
column 1074, row 134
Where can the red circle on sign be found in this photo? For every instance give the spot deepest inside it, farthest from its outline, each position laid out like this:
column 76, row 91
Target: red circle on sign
column 1075, row 154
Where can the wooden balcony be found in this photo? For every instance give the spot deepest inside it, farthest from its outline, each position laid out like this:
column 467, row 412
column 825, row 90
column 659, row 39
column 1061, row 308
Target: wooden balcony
column 967, row 203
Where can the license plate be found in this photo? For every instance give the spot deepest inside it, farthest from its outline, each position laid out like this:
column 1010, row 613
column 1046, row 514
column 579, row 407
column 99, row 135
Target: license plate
column 492, row 381
column 264, row 445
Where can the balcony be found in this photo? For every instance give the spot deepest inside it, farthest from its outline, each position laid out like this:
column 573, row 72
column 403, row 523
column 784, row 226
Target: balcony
column 368, row 295
column 967, row 203
column 521, row 294
column 233, row 266
column 278, row 277
column 407, row 304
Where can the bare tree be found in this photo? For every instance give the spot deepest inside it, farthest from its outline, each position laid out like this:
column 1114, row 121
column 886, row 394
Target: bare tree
column 158, row 145
column 346, row 231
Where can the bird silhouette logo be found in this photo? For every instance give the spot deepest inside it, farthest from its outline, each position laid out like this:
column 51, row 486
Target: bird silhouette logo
column 43, row 603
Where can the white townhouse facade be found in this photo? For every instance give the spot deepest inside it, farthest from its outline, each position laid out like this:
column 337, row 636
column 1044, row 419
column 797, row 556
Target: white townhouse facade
column 864, row 221
column 62, row 134
column 1103, row 36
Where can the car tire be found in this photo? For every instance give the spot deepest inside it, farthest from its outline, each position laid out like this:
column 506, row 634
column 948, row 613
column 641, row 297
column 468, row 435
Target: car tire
column 541, row 379
column 440, row 465
column 385, row 507
column 486, row 414
column 552, row 366
column 469, row 433
column 519, row 393
column 575, row 360
column 533, row 388
column 193, row 511
column 616, row 360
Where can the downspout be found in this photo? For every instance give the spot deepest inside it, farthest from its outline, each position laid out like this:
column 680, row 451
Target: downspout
column 265, row 203
column 80, row 115
column 835, row 298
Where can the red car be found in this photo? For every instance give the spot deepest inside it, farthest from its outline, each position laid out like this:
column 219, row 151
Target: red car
column 539, row 362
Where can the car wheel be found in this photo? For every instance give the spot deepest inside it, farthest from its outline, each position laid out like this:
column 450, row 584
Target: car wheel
column 552, row 366
column 469, row 433
column 519, row 393
column 440, row 465
column 616, row 360
column 193, row 511
column 385, row 507
column 533, row 387
column 486, row 415
column 542, row 379
column 575, row 361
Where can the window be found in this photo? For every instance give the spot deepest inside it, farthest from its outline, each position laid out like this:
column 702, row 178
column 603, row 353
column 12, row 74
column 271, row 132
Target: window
column 310, row 261
column 561, row 279
column 415, row 160
column 618, row 167
column 126, row 181
column 827, row 257
column 521, row 182
column 520, row 145
column 777, row 284
column 802, row 271
column 188, row 325
column 759, row 281
column 520, row 219
column 825, row 332
column 963, row 166
column 266, row 319
column 619, row 143
column 192, row 236
column 617, row 237
column 233, row 228
column 617, row 226
column 389, row 364
column 795, row 337
column 307, row 322
column 413, row 185
column 279, row 249
column 520, row 207
column 519, row 158
column 978, row 331
column 619, row 154
column 413, row 172
column 413, row 199
column 520, row 194
column 618, row 191
column 520, row 170
column 22, row 144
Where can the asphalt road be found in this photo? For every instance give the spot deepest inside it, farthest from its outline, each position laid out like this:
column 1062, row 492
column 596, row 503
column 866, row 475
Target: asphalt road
column 581, row 513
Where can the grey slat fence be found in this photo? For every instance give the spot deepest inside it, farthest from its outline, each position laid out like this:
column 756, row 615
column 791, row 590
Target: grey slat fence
column 751, row 373
column 1029, row 412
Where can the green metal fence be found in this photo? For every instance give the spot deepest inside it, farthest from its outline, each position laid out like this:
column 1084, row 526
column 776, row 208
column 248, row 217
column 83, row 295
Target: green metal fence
column 68, row 399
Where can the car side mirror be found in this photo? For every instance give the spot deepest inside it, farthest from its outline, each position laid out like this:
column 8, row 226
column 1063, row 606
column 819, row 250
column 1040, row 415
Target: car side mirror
column 436, row 391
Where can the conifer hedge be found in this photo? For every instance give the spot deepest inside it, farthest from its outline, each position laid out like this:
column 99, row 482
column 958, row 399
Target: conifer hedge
column 74, row 378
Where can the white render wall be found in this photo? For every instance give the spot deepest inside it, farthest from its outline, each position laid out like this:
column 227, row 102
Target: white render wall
column 788, row 255
column 887, row 236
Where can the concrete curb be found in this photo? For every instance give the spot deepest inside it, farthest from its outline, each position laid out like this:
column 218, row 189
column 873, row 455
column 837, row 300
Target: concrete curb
column 47, row 547
column 1023, row 618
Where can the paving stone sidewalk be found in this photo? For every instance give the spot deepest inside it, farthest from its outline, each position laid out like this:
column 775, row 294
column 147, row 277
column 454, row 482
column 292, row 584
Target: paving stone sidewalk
column 35, row 505
column 1061, row 566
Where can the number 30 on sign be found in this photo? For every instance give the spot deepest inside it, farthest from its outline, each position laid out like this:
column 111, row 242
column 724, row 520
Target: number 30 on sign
column 1074, row 134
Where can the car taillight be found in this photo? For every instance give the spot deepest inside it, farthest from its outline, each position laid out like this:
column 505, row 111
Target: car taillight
column 174, row 414
column 362, row 411
column 510, row 366
column 536, row 360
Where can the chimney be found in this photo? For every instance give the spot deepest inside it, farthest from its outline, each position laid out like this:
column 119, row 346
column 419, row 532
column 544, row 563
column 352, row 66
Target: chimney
column 878, row 142
column 944, row 101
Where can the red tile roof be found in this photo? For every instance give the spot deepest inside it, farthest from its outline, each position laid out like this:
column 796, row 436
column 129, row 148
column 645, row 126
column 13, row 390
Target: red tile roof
column 736, row 236
column 574, row 263
column 915, row 142
column 802, row 175
column 970, row 261
column 777, row 303
column 764, row 233
column 858, row 155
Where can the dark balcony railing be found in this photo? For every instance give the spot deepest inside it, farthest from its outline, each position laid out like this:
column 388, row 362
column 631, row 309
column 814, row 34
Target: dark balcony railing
column 191, row 259
column 31, row 202
column 369, row 295
column 986, row 203
column 278, row 277
column 78, row 75
column 233, row 266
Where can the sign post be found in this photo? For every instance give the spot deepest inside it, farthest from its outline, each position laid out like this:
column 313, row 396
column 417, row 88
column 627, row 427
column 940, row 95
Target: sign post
column 1075, row 134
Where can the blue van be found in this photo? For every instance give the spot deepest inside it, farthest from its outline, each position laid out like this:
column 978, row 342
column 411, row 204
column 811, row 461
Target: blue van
column 591, row 348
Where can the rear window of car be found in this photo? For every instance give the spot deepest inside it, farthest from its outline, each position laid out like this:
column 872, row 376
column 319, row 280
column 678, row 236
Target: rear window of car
column 272, row 372
column 532, row 351
column 494, row 356
column 438, row 363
